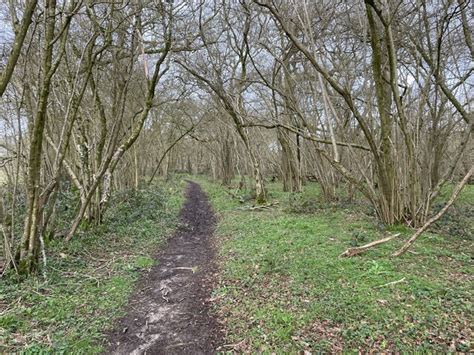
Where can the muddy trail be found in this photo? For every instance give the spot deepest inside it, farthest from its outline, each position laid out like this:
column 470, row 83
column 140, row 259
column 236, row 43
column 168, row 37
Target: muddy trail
column 169, row 313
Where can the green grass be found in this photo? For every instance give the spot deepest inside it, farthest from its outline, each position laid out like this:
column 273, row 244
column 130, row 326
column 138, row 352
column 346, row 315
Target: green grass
column 89, row 279
column 284, row 289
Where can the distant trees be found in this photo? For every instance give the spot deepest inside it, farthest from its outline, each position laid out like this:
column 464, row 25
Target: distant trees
column 384, row 84
column 373, row 95
column 224, row 71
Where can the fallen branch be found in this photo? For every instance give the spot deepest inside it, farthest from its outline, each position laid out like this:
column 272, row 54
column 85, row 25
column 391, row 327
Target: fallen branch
column 237, row 197
column 437, row 216
column 392, row 283
column 358, row 250
column 260, row 207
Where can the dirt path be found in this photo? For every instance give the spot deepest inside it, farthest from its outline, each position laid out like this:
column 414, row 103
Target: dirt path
column 170, row 312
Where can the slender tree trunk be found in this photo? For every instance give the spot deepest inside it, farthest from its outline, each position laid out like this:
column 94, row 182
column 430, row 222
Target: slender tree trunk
column 29, row 248
column 290, row 172
column 227, row 160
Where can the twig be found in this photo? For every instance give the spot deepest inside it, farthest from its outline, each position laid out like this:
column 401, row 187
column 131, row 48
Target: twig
column 392, row 283
column 76, row 274
column 193, row 269
column 179, row 345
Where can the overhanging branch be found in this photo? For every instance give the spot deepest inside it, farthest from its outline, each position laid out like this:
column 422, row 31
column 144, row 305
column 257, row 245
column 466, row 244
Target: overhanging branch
column 306, row 135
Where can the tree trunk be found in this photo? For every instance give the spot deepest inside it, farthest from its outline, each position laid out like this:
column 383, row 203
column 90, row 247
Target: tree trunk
column 28, row 253
column 290, row 171
column 227, row 160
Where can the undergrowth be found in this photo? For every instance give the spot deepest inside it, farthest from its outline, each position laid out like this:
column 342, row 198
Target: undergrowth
column 88, row 279
column 284, row 289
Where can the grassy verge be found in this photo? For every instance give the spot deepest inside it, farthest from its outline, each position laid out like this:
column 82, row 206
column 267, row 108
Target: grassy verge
column 284, row 289
column 88, row 279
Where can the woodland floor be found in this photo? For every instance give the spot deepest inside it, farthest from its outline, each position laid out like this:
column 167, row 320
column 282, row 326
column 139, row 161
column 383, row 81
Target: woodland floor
column 242, row 279
column 283, row 289
column 170, row 309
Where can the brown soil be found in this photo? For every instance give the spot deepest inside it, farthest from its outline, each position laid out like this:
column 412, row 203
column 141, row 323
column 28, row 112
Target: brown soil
column 170, row 312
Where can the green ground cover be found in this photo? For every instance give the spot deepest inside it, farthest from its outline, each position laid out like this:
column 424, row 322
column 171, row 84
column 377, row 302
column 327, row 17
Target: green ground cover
column 89, row 279
column 284, row 289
